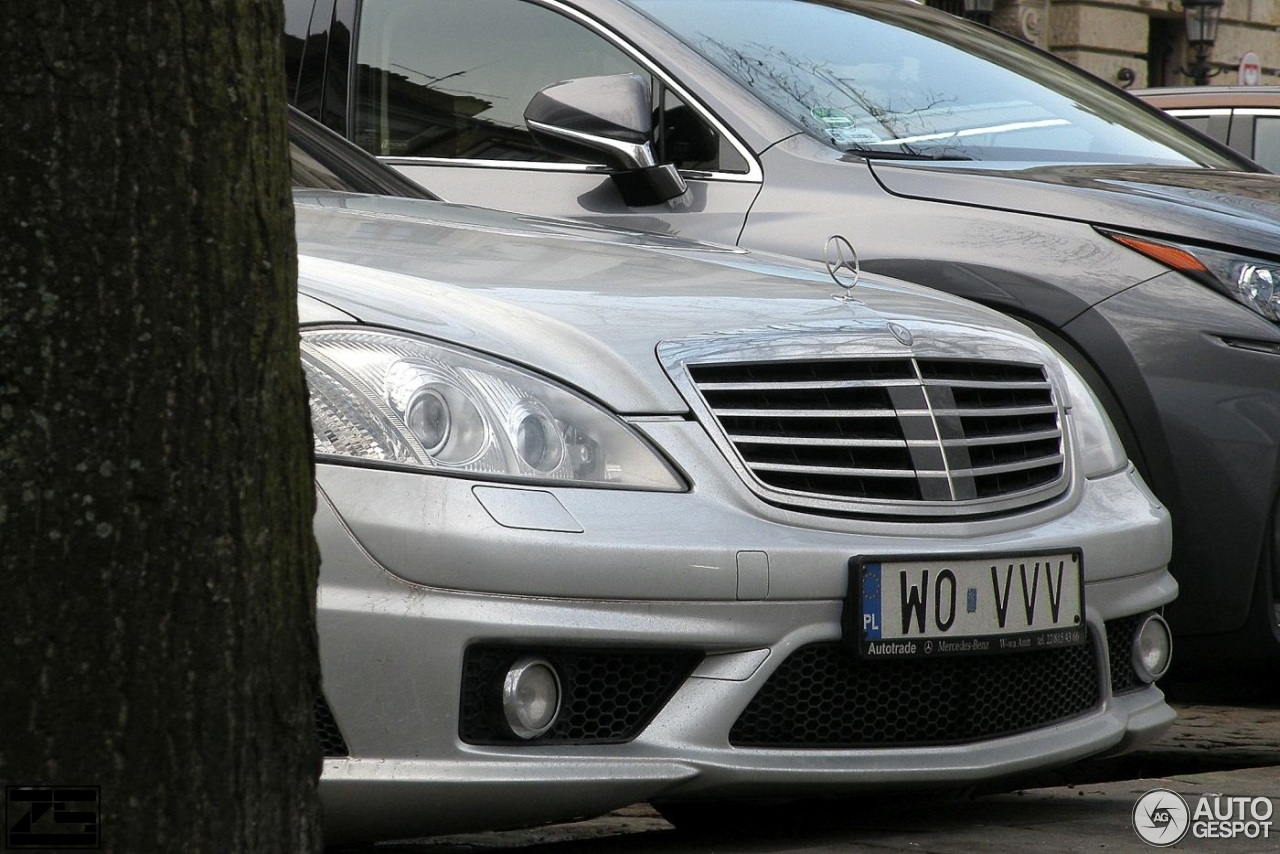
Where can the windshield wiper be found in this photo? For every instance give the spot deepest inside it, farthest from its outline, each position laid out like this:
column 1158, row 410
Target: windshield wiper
column 878, row 154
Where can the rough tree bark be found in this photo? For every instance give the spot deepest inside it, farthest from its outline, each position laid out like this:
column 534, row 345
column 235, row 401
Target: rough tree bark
column 157, row 566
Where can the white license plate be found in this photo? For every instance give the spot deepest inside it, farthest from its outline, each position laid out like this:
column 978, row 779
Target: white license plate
column 907, row 608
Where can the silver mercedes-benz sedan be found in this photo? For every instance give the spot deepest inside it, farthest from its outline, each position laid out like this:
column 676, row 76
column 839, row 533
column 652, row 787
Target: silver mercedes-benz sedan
column 608, row 518
column 949, row 155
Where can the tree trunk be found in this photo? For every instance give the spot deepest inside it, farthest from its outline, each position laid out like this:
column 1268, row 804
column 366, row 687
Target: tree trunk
column 156, row 558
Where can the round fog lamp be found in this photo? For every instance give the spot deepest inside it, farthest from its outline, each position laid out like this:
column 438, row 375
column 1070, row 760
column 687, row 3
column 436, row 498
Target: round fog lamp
column 1152, row 648
column 531, row 697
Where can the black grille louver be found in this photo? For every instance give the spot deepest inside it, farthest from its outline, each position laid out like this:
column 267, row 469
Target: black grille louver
column 327, row 733
column 1120, row 634
column 609, row 695
column 825, row 696
column 943, row 432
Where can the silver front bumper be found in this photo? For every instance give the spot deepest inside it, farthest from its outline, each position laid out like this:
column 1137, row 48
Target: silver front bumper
column 392, row 649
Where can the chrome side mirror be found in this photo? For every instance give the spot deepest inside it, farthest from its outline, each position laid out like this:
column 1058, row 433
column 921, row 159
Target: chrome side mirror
column 610, row 120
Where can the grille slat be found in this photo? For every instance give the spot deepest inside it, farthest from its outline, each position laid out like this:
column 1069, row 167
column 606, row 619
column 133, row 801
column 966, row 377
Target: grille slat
column 843, row 470
column 925, row 436
column 984, row 412
column 977, row 471
column 814, row 413
column 1010, row 439
column 837, row 442
column 805, row 385
column 821, row 441
column 983, row 384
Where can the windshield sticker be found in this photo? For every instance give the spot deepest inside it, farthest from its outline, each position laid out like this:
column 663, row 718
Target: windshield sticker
column 840, row 128
column 832, row 117
column 852, row 137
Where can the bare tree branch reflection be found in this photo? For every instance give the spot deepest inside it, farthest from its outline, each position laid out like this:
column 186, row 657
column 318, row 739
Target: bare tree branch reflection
column 822, row 98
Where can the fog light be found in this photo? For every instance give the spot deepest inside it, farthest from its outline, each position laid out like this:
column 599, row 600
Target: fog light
column 531, row 697
column 1152, row 648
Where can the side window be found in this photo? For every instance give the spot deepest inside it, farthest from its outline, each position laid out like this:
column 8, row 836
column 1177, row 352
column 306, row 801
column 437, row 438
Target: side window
column 1266, row 142
column 687, row 140
column 1215, row 123
column 1200, row 123
column 440, row 78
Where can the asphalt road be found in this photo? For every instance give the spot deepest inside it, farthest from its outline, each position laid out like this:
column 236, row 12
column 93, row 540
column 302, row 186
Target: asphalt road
column 1225, row 744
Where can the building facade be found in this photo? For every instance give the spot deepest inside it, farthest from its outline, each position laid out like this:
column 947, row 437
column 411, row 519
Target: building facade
column 1139, row 43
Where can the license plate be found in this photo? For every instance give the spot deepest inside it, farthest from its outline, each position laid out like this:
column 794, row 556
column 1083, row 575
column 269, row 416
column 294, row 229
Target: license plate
column 913, row 608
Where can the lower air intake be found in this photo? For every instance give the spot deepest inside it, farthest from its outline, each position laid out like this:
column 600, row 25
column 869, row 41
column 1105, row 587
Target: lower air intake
column 826, row 696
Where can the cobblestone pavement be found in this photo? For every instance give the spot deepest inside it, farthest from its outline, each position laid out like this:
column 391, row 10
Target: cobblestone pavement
column 1213, row 748
column 1206, row 737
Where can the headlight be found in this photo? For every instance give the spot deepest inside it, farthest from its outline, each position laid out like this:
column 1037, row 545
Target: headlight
column 394, row 399
column 1255, row 282
column 1098, row 447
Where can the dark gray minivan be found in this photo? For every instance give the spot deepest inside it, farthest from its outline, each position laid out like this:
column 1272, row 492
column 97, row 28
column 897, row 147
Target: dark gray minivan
column 945, row 153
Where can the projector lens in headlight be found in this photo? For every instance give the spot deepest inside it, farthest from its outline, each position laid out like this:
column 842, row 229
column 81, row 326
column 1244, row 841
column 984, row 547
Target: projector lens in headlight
column 385, row 397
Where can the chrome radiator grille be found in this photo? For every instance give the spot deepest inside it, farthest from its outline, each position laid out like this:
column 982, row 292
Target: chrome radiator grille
column 918, row 435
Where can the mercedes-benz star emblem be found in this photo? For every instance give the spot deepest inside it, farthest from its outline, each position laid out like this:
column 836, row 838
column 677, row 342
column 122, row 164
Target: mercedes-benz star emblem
column 902, row 333
column 842, row 264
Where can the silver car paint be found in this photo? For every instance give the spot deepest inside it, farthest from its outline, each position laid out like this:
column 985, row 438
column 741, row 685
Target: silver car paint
column 416, row 567
column 392, row 648
column 593, row 316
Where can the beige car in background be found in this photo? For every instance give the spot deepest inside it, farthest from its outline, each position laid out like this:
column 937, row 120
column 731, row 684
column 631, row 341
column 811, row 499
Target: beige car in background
column 1247, row 118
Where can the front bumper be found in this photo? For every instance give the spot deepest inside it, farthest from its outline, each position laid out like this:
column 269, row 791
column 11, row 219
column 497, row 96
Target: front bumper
column 366, row 799
column 393, row 650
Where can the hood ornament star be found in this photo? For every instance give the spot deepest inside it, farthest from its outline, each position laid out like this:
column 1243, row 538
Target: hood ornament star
column 842, row 264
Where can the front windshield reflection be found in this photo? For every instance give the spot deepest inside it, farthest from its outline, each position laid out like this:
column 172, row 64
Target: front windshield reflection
column 887, row 78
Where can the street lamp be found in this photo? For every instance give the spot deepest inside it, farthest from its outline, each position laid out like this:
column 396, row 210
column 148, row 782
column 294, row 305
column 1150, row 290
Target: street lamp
column 1202, row 18
column 980, row 11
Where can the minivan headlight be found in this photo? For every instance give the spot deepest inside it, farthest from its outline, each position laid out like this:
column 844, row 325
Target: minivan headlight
column 1254, row 282
column 400, row 400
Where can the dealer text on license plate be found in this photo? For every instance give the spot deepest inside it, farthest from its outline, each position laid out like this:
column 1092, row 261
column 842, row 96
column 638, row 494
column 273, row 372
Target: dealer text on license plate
column 935, row 606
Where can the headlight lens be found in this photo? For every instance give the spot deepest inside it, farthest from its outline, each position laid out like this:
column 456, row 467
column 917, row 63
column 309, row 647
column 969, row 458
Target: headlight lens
column 389, row 398
column 1097, row 444
column 1254, row 282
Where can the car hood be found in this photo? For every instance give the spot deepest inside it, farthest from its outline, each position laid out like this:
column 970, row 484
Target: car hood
column 1240, row 209
column 585, row 304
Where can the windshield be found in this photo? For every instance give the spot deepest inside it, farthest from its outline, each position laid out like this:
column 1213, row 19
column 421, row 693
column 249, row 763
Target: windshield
column 893, row 79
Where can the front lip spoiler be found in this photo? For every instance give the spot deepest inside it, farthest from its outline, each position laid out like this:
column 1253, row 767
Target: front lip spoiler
column 387, row 798
column 384, row 798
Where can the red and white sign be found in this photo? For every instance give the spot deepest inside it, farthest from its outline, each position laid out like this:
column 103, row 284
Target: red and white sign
column 1250, row 73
